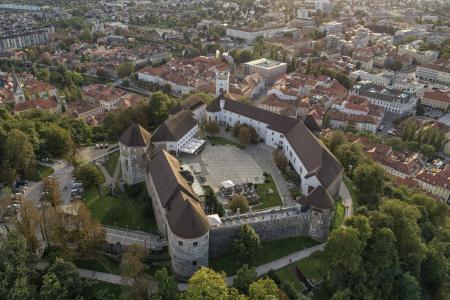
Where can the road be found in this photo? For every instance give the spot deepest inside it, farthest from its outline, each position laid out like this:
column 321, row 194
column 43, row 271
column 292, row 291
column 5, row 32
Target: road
column 63, row 174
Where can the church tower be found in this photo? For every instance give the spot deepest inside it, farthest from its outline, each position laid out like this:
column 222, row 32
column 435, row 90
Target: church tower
column 222, row 82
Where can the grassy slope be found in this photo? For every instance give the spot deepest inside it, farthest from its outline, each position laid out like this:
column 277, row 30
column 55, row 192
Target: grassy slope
column 123, row 211
column 111, row 163
column 269, row 252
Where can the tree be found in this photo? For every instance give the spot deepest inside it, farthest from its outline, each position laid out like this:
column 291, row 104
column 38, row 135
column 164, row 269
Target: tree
column 19, row 152
column 166, row 88
column 343, row 252
column 16, row 266
column 428, row 150
column 212, row 128
column 244, row 277
column 263, row 289
column 206, row 284
column 52, row 288
column 369, row 180
column 86, row 35
column 280, row 160
column 402, row 220
column 245, row 135
column 246, row 245
column 27, row 223
column 349, row 155
column 56, row 140
column 132, row 266
column 167, row 286
column 67, row 274
column 239, row 201
column 336, row 139
column 88, row 174
column 125, row 69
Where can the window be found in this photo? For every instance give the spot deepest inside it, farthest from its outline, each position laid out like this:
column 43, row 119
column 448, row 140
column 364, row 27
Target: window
column 180, row 243
column 194, row 262
column 195, row 244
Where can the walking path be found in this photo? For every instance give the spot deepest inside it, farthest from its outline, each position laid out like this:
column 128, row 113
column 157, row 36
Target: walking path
column 273, row 265
column 346, row 199
column 106, row 277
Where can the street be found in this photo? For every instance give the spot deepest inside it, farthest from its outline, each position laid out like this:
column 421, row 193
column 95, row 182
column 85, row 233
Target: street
column 63, row 174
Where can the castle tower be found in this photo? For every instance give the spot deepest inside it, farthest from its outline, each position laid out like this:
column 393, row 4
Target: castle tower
column 133, row 145
column 222, row 82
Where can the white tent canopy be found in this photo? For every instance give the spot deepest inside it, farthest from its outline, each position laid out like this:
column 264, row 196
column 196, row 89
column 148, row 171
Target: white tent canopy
column 227, row 184
column 192, row 146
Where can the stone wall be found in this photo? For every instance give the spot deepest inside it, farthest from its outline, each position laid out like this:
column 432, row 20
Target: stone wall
column 271, row 225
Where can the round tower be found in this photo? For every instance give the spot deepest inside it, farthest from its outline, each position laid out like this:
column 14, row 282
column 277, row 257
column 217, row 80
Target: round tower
column 222, row 82
column 188, row 235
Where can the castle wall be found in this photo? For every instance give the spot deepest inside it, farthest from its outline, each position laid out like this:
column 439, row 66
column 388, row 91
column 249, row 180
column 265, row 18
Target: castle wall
column 292, row 223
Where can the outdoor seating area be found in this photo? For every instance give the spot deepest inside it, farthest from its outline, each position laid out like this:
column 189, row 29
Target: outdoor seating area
column 228, row 190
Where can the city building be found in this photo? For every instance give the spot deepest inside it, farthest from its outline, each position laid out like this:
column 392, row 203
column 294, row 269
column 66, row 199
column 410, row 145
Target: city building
column 270, row 70
column 355, row 113
column 436, row 99
column 251, row 34
column 333, row 27
column 437, row 73
column 396, row 103
column 25, row 38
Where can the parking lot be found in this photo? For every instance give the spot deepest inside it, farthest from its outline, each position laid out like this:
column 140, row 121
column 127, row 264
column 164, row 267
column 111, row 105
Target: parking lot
column 221, row 163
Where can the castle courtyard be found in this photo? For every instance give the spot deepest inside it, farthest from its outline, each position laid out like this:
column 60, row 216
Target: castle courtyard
column 222, row 163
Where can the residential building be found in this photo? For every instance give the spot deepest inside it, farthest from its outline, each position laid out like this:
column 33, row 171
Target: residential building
column 436, row 99
column 355, row 113
column 437, row 183
column 333, row 27
column 396, row 103
column 109, row 98
column 49, row 104
column 251, row 34
column 437, row 73
column 184, row 76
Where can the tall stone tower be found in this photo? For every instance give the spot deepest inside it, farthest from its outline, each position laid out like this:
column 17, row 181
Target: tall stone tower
column 134, row 145
column 222, row 82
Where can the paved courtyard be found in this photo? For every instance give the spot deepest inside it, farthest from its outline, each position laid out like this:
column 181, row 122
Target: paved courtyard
column 221, row 163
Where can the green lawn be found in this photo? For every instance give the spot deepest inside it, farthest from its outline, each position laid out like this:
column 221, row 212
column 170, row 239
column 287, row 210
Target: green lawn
column 268, row 199
column 352, row 189
column 286, row 275
column 313, row 267
column 111, row 163
column 219, row 141
column 338, row 217
column 40, row 173
column 270, row 251
column 102, row 263
column 124, row 211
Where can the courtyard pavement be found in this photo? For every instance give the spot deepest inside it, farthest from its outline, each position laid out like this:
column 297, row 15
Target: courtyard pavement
column 221, row 163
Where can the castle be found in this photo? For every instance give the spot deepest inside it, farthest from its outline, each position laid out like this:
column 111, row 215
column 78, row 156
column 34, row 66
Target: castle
column 193, row 236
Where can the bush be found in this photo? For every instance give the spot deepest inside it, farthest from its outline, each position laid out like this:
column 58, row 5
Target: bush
column 239, row 201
